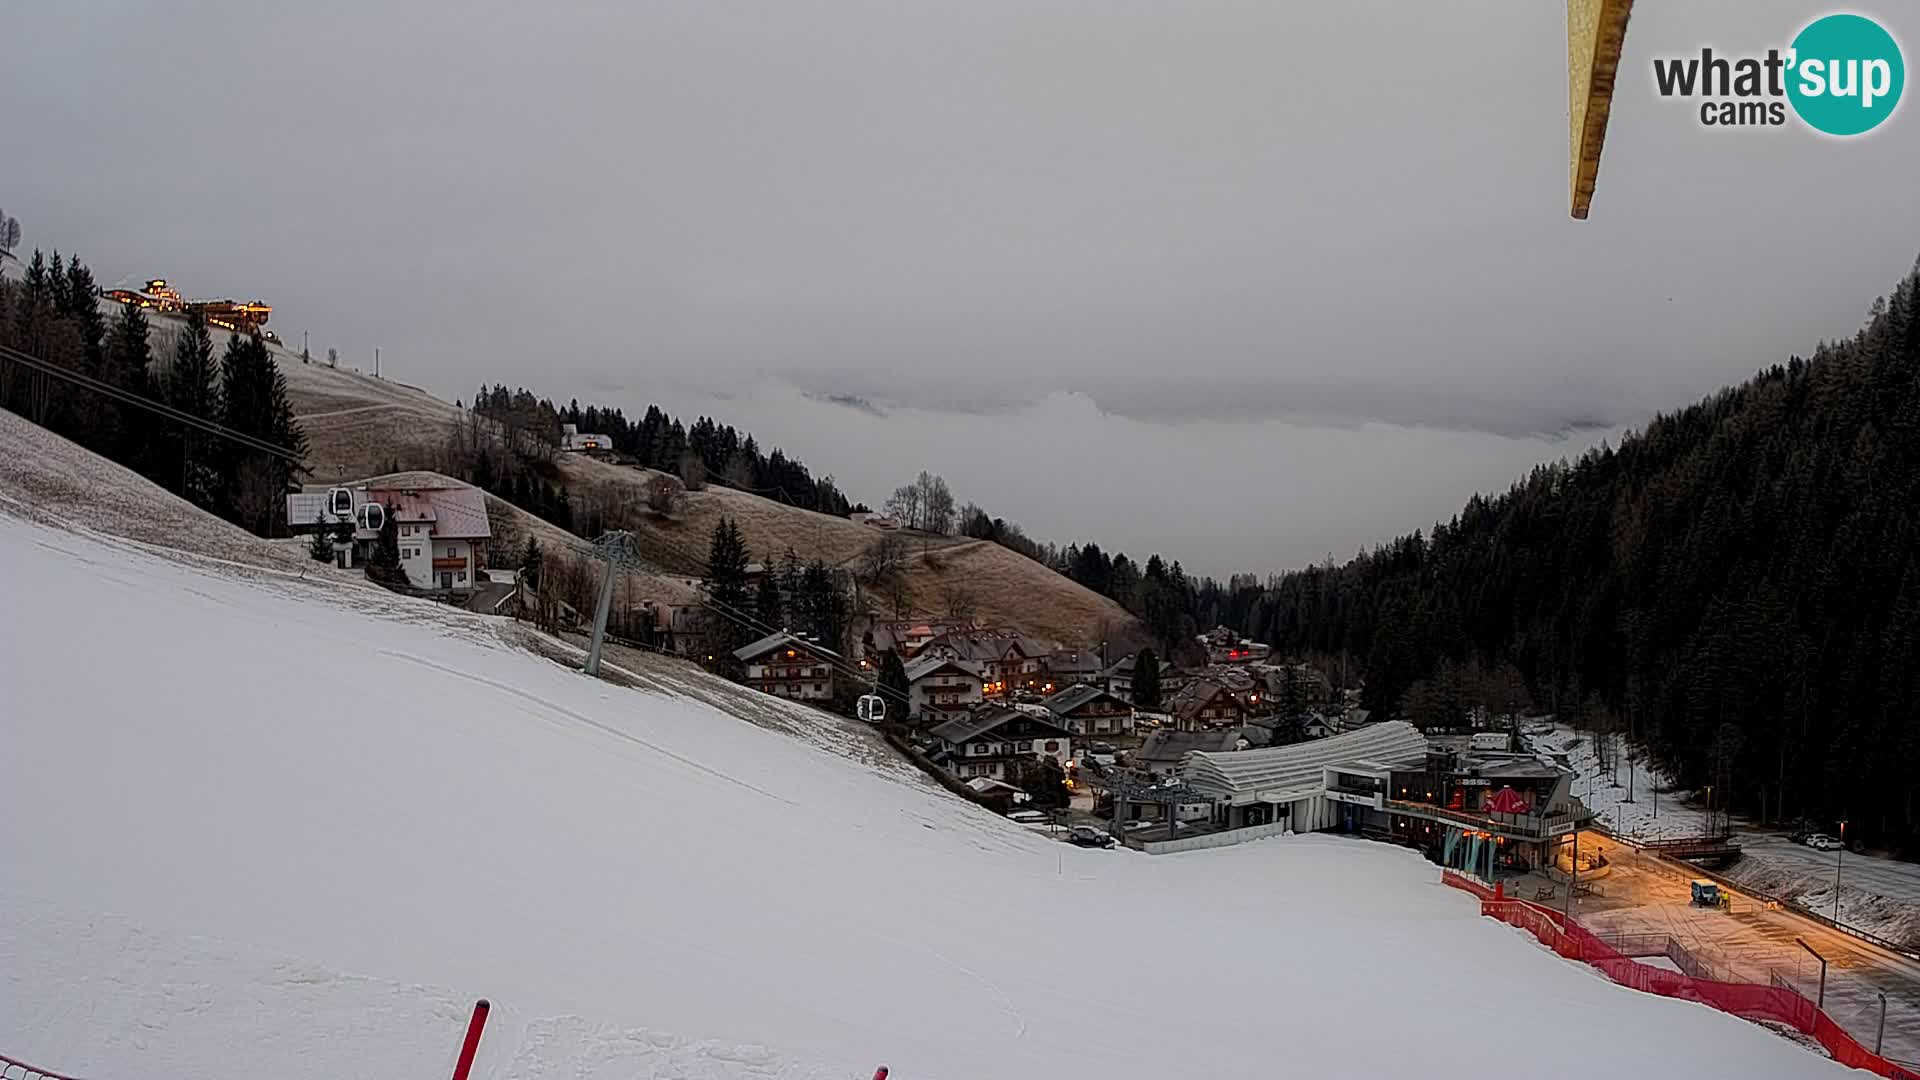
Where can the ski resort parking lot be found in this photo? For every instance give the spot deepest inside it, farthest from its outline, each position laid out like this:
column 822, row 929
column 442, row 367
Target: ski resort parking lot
column 1642, row 895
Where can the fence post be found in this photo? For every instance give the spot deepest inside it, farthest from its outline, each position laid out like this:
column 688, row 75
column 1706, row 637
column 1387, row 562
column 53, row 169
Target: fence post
column 472, row 1044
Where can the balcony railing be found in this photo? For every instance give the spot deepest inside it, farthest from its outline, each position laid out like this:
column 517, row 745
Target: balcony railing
column 1527, row 826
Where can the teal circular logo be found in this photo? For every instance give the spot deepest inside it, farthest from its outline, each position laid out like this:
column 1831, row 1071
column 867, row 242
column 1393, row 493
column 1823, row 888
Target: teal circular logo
column 1845, row 74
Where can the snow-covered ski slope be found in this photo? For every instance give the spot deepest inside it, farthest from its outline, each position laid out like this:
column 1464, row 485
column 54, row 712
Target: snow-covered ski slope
column 253, row 826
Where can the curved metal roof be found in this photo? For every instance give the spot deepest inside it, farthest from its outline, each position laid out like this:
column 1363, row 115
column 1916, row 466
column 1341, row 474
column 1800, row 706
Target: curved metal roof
column 1300, row 766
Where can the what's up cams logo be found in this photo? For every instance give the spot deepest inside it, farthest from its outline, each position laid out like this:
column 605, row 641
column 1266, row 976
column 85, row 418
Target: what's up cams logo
column 1842, row 75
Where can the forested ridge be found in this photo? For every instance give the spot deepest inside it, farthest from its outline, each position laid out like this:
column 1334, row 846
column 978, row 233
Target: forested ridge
column 1738, row 586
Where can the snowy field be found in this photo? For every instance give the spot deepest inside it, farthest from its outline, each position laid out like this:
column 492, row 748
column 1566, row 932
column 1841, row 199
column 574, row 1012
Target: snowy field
column 258, row 826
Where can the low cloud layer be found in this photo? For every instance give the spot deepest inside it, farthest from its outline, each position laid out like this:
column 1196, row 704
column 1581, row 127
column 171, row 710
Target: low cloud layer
column 1240, row 280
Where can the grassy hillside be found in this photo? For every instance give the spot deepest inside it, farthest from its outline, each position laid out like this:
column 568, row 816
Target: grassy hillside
column 358, row 426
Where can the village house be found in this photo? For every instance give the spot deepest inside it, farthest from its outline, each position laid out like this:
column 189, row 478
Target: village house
column 992, row 742
column 1309, row 687
column 442, row 532
column 572, row 439
column 1118, row 676
column 789, row 666
column 908, row 636
column 1204, row 704
column 1085, row 710
column 1009, row 663
column 938, row 687
column 1243, row 684
column 1223, row 646
column 1065, row 667
column 1161, row 754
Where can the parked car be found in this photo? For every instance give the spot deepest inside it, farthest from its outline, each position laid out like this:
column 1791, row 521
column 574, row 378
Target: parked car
column 1088, row 836
column 1798, row 836
column 1028, row 817
column 1136, row 826
column 1103, row 748
column 1823, row 842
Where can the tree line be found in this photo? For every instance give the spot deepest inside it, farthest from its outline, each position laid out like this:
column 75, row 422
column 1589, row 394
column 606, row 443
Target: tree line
column 805, row 599
column 705, row 450
column 54, row 314
column 1736, row 588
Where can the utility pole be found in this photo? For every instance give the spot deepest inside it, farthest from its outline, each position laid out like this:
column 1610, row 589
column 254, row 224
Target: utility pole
column 1840, row 857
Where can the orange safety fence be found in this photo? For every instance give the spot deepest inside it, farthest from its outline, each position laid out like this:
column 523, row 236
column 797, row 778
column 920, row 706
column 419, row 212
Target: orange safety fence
column 1751, row 1001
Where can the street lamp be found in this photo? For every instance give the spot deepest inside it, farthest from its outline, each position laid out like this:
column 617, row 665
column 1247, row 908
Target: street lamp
column 1839, row 858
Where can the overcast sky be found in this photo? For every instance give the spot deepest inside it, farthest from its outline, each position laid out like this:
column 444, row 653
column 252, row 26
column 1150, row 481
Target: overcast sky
column 1244, row 282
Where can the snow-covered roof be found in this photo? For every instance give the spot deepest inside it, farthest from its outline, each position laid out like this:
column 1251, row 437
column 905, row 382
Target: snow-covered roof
column 1302, row 765
column 1075, row 696
column 981, row 721
column 923, row 666
column 781, row 640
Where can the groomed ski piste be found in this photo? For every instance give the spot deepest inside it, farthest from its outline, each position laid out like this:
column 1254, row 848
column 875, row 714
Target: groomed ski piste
column 260, row 825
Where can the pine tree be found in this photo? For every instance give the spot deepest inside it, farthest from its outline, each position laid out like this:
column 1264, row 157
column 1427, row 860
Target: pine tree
column 254, row 401
column 824, row 606
column 134, row 438
column 320, row 549
column 726, row 588
column 383, row 565
column 530, row 564
column 767, row 607
column 191, row 385
column 1146, row 679
column 893, row 684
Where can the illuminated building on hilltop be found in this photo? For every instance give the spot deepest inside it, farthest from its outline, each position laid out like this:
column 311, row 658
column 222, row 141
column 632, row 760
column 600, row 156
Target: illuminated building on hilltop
column 241, row 317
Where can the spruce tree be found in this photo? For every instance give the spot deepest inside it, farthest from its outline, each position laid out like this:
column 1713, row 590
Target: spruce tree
column 768, row 609
column 726, row 588
column 254, row 401
column 192, row 386
column 530, row 563
column 134, row 438
column 321, row 547
column 1146, row 679
column 383, row 565
column 893, row 684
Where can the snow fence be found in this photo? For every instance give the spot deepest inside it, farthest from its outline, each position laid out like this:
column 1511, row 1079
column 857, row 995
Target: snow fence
column 1750, row 1001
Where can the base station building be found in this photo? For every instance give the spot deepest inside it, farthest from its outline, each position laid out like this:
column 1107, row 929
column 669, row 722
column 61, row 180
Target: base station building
column 1473, row 810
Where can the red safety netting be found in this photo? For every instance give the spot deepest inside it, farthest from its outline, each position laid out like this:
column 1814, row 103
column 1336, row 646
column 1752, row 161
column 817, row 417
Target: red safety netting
column 1750, row 1001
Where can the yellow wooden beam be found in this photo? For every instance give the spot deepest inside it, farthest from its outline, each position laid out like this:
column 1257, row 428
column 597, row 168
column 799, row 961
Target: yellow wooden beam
column 1596, row 32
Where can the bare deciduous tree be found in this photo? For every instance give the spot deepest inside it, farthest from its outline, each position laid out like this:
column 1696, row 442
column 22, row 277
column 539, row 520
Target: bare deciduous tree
column 693, row 471
column 664, row 496
column 740, row 469
column 961, row 603
column 882, row 558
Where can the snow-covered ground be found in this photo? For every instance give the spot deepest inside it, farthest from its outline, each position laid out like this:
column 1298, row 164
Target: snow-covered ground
column 260, row 826
column 1650, row 816
column 1878, row 895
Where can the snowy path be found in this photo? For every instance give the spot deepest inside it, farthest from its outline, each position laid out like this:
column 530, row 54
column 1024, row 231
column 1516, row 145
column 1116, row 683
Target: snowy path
column 259, row 826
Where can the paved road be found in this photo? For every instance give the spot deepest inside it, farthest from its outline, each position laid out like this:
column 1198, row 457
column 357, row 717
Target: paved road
column 1888, row 877
column 1646, row 896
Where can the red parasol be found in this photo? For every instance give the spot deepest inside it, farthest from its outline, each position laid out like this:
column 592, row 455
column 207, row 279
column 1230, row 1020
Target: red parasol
column 1507, row 801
